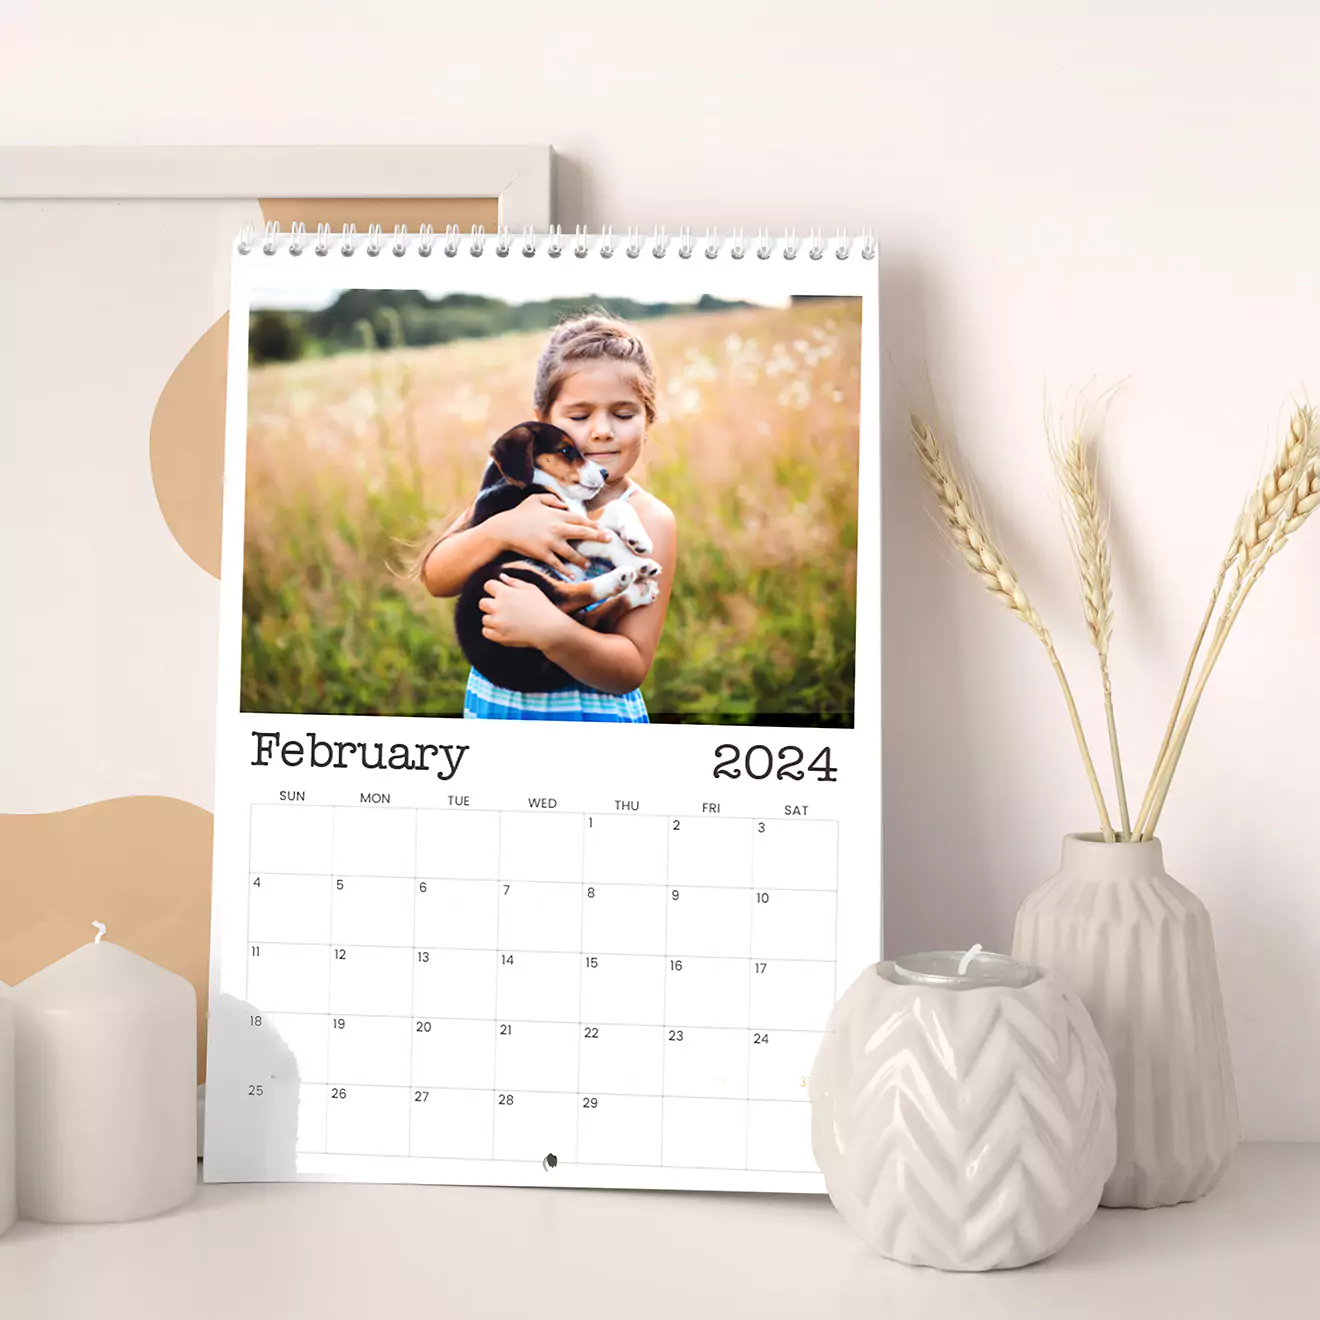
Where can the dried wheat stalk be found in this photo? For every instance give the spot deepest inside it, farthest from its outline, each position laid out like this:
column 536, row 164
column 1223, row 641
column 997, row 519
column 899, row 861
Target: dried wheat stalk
column 1088, row 535
column 1255, row 525
column 1276, row 510
column 1229, row 559
column 966, row 529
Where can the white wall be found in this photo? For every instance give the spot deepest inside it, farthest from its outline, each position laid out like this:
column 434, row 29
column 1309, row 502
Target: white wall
column 1062, row 190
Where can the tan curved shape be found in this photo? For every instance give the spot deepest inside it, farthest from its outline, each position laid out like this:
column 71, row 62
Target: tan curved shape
column 188, row 426
column 142, row 865
column 188, row 447
column 363, row 212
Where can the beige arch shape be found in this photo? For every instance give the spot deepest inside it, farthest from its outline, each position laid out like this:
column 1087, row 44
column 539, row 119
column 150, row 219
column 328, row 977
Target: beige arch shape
column 188, row 426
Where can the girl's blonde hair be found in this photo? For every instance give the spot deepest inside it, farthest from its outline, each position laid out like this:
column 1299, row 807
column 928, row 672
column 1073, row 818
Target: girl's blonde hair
column 588, row 339
column 582, row 339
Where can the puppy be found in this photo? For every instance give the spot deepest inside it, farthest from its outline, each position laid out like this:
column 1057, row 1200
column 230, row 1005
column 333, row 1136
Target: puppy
column 536, row 456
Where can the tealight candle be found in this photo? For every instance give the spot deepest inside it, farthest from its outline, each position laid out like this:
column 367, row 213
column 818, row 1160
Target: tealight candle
column 106, row 1064
column 972, row 970
column 8, row 1150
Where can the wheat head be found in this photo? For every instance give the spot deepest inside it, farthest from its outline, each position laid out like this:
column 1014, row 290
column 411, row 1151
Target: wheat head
column 1280, row 505
column 1270, row 500
column 966, row 528
column 1088, row 532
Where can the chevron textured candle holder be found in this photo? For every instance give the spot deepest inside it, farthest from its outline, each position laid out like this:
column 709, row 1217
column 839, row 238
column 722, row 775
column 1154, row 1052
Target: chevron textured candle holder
column 962, row 1111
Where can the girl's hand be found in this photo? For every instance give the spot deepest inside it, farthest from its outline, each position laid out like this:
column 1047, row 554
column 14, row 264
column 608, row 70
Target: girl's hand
column 518, row 614
column 541, row 528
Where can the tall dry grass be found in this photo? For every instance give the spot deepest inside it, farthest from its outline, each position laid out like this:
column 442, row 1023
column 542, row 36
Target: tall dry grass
column 352, row 458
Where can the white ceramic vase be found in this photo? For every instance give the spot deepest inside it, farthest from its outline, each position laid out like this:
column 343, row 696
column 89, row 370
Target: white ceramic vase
column 968, row 1129
column 1138, row 948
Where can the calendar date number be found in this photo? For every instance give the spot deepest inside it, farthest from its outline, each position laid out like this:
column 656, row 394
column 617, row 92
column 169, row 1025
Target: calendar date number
column 761, row 762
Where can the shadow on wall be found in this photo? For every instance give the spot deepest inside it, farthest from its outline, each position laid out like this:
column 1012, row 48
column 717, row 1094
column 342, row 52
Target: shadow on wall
column 254, row 1138
column 931, row 900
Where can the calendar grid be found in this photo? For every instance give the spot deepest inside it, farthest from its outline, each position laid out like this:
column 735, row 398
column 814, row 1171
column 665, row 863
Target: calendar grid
column 567, row 884
column 247, row 929
column 412, row 982
column 604, row 953
column 664, row 1011
column 582, row 958
column 540, row 1022
column 671, row 1109
column 495, row 1007
column 834, row 924
column 751, row 972
column 329, row 980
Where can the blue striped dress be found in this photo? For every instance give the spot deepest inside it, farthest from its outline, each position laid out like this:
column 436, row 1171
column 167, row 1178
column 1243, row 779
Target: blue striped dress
column 485, row 700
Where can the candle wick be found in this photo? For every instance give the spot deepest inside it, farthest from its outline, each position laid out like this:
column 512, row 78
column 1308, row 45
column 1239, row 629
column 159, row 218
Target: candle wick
column 967, row 959
column 100, row 930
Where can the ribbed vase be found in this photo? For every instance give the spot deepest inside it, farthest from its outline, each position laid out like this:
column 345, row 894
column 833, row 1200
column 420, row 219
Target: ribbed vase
column 1137, row 947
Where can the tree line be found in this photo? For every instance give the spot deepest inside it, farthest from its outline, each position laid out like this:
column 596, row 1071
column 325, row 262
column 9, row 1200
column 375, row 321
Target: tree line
column 376, row 319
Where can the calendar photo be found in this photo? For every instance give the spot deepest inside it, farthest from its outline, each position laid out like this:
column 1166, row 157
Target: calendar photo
column 547, row 792
column 630, row 500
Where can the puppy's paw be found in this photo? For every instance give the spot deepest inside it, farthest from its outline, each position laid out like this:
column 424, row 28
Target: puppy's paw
column 622, row 518
column 648, row 568
column 613, row 582
column 642, row 592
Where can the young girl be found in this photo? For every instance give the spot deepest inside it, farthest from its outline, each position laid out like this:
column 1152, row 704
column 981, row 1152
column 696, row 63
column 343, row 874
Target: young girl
column 596, row 381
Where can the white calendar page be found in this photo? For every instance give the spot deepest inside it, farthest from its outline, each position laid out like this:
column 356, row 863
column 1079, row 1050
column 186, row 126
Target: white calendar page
column 547, row 952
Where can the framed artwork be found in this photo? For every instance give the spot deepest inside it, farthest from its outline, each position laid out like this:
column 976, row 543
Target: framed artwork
column 114, row 328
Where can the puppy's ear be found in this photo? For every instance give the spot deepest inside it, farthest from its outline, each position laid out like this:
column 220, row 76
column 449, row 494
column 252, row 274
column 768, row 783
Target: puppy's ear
column 512, row 454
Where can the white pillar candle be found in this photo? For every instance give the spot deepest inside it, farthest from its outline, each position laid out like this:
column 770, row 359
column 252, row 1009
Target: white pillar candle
column 8, row 1151
column 106, row 1055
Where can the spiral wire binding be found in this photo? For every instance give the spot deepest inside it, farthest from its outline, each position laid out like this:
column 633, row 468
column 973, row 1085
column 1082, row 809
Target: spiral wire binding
column 764, row 246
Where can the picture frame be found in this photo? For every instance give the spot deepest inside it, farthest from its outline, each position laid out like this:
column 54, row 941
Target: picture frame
column 518, row 178
column 113, row 335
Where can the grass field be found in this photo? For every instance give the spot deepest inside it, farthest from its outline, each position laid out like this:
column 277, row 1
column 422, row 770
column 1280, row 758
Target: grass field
column 352, row 458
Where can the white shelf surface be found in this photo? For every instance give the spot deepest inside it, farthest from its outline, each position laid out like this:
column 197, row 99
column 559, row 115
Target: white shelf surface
column 333, row 1250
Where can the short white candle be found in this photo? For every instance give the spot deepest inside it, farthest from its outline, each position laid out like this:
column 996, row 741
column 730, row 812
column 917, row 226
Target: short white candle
column 106, row 1055
column 8, row 1151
